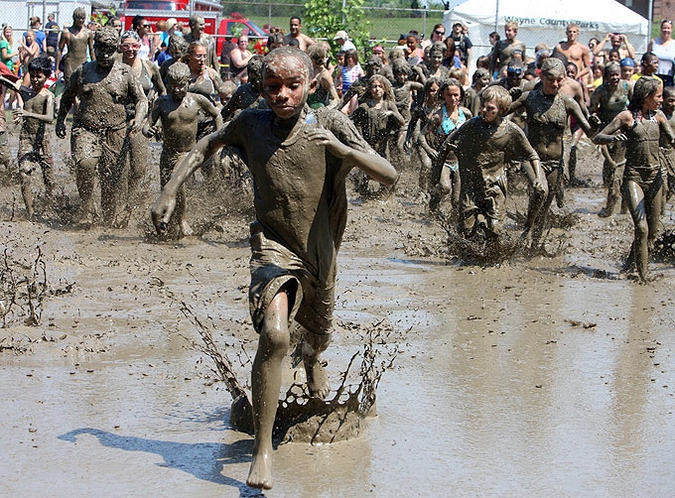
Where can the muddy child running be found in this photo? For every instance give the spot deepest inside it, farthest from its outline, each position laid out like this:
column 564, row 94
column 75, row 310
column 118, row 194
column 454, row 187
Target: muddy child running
column 299, row 160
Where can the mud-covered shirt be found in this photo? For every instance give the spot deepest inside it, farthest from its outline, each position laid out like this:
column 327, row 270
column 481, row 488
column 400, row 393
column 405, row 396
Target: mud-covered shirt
column 299, row 187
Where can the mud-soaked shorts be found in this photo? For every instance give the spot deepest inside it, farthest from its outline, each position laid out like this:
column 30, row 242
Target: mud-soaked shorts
column 167, row 163
column 275, row 268
column 649, row 179
column 30, row 156
column 105, row 145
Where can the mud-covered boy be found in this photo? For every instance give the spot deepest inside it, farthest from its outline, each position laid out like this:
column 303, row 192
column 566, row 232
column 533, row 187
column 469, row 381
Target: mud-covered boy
column 179, row 113
column 299, row 160
column 484, row 145
column 34, row 143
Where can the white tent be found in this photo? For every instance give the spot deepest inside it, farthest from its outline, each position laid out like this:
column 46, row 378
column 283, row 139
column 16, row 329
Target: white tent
column 546, row 20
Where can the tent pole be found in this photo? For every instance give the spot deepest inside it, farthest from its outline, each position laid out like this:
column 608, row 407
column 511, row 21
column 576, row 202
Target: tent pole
column 650, row 16
column 496, row 15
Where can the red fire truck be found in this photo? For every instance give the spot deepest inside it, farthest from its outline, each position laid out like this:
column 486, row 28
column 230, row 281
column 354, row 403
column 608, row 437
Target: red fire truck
column 181, row 10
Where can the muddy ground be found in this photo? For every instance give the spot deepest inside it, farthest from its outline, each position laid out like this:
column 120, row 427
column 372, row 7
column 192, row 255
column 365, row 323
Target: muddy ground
column 551, row 376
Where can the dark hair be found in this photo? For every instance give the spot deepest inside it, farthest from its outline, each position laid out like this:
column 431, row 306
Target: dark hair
column 610, row 67
column 644, row 87
column 137, row 22
column 296, row 17
column 451, row 82
column 41, row 63
column 647, row 56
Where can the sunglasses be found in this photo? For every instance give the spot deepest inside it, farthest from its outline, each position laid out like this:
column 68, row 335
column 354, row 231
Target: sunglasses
column 514, row 70
column 439, row 32
column 145, row 25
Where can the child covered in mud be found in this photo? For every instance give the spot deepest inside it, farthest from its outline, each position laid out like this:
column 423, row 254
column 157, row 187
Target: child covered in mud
column 643, row 127
column 34, row 144
column 484, row 146
column 446, row 119
column 299, row 160
column 179, row 112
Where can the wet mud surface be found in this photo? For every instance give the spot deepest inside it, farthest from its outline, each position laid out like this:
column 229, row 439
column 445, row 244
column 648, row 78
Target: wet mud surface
column 530, row 377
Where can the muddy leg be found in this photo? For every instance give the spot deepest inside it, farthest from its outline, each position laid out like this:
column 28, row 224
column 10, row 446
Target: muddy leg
column 265, row 385
column 47, row 164
column 312, row 347
column 85, row 170
column 27, row 191
column 538, row 223
column 636, row 204
column 138, row 160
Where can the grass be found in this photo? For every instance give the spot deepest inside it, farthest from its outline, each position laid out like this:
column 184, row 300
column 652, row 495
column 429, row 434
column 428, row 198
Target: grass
column 380, row 28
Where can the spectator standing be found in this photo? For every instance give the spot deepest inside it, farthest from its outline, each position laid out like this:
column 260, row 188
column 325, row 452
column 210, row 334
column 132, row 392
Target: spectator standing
column 239, row 57
column 664, row 48
column 576, row 52
column 38, row 34
column 304, row 41
column 197, row 33
column 342, row 39
column 437, row 35
column 462, row 43
column 28, row 50
column 503, row 50
column 142, row 27
column 52, row 33
column 617, row 42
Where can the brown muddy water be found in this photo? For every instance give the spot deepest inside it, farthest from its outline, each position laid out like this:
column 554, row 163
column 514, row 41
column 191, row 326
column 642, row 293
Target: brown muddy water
column 543, row 377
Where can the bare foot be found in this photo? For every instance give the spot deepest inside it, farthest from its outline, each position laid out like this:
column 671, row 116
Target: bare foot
column 260, row 472
column 317, row 380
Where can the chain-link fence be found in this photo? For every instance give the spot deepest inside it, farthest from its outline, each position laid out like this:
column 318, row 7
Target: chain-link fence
column 18, row 14
column 385, row 23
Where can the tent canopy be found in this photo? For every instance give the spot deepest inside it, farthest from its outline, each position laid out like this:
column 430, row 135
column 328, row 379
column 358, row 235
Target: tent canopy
column 546, row 20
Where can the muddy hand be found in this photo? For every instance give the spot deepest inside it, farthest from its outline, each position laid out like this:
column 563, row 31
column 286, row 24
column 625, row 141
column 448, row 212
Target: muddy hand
column 161, row 212
column 326, row 137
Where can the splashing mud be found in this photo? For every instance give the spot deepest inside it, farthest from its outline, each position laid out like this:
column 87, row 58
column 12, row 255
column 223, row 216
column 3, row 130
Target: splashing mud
column 300, row 417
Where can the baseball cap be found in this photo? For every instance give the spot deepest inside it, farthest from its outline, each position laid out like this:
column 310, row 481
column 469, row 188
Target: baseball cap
column 341, row 35
column 627, row 62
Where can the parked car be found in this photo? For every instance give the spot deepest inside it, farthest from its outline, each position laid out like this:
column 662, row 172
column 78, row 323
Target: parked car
column 235, row 26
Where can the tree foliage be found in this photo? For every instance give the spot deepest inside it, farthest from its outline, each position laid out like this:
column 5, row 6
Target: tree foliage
column 326, row 17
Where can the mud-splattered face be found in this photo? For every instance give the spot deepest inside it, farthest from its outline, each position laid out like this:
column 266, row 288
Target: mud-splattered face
column 285, row 86
column 489, row 111
column 105, row 54
column 436, row 57
column 551, row 83
column 37, row 79
column 78, row 20
column 198, row 58
column 178, row 89
column 614, row 77
column 432, row 92
column 452, row 96
column 377, row 90
column 653, row 101
column 510, row 33
column 668, row 106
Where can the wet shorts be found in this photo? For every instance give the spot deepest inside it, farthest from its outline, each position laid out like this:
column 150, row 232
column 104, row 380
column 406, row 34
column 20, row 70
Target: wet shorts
column 104, row 144
column 275, row 268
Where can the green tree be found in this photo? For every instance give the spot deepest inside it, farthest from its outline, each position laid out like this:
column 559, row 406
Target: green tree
column 326, row 17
